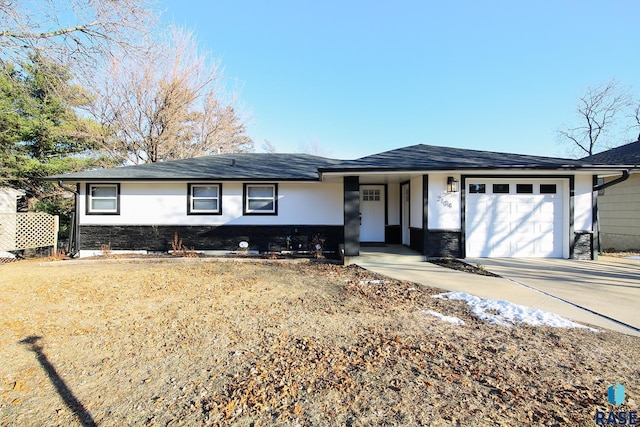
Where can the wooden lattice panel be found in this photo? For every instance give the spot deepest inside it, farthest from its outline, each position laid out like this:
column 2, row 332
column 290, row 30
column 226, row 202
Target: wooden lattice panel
column 27, row 230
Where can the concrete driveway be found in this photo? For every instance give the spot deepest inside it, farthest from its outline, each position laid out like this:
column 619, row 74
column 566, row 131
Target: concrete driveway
column 608, row 287
column 604, row 293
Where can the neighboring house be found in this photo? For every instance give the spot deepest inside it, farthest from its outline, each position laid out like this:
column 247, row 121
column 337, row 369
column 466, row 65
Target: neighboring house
column 9, row 199
column 619, row 204
column 8, row 209
column 437, row 200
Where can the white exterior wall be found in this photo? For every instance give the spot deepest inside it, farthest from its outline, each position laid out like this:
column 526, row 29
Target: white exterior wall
column 583, row 203
column 444, row 208
column 165, row 203
column 415, row 219
column 393, row 204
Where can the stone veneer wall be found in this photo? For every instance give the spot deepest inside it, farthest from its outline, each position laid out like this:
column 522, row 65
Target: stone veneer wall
column 225, row 237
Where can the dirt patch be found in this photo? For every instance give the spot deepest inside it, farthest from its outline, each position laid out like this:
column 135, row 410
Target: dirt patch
column 456, row 264
column 201, row 343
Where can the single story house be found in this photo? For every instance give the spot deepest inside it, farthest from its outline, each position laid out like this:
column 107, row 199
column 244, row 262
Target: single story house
column 440, row 201
column 619, row 205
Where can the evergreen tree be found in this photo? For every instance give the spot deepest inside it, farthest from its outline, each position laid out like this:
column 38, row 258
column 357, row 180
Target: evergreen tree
column 41, row 132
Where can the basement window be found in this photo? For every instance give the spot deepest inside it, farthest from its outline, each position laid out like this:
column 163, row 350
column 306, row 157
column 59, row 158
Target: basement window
column 103, row 199
column 260, row 199
column 204, row 199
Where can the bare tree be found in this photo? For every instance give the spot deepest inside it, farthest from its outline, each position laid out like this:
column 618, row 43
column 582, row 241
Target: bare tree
column 268, row 147
column 636, row 116
column 597, row 111
column 168, row 104
column 315, row 148
column 75, row 33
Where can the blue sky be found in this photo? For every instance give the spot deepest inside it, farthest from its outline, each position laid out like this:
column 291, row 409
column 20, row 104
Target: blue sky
column 360, row 77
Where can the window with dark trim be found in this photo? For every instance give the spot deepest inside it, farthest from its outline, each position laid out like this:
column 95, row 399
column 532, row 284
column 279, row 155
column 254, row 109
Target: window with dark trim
column 477, row 188
column 260, row 199
column 548, row 189
column 204, row 199
column 103, row 199
column 500, row 188
column 524, row 188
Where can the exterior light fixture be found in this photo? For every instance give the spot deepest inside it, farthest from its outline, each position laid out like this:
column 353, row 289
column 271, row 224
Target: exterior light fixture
column 453, row 186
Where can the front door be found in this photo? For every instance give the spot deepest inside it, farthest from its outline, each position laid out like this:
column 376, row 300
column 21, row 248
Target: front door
column 372, row 213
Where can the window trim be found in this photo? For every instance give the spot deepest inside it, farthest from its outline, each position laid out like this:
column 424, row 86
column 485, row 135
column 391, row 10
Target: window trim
column 245, row 199
column 191, row 198
column 89, row 198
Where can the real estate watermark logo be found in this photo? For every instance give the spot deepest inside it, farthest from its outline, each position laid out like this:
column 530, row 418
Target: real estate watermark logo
column 616, row 396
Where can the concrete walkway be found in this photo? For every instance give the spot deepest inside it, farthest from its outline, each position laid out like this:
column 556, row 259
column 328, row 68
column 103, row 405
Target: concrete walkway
column 401, row 263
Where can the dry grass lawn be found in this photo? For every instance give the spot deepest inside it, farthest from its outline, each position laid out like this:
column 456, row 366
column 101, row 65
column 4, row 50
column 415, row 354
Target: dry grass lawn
column 255, row 344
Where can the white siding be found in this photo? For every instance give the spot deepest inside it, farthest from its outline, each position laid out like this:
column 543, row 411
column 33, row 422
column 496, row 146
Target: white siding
column 583, row 203
column 153, row 203
column 416, row 202
column 393, row 204
column 444, row 208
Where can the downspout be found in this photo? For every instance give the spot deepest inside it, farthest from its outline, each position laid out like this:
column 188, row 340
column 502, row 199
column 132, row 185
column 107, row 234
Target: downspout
column 624, row 177
column 73, row 234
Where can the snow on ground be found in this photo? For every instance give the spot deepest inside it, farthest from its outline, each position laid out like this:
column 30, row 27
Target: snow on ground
column 449, row 319
column 506, row 313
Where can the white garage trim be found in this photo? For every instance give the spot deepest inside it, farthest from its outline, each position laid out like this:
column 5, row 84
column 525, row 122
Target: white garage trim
column 516, row 217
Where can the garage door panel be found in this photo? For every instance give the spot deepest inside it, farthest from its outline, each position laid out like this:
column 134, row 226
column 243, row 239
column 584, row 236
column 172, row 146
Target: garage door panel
column 502, row 208
column 514, row 225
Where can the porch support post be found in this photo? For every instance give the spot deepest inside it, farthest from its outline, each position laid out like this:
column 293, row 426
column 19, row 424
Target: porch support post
column 351, row 216
column 425, row 214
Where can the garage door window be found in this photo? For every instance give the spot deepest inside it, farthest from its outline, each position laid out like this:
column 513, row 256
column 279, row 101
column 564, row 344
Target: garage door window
column 547, row 189
column 500, row 188
column 477, row 188
column 524, row 188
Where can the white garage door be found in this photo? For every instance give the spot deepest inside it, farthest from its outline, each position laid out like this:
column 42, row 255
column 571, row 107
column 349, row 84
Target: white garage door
column 514, row 218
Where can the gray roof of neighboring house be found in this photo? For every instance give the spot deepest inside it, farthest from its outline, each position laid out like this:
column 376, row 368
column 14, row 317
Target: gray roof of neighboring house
column 431, row 157
column 235, row 166
column 628, row 154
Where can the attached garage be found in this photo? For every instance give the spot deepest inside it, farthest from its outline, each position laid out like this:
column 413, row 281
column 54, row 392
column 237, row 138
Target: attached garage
column 515, row 218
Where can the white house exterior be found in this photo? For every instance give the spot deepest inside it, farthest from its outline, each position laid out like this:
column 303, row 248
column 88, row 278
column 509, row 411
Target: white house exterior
column 439, row 201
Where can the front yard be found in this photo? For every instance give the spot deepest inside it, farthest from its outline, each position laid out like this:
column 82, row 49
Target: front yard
column 214, row 343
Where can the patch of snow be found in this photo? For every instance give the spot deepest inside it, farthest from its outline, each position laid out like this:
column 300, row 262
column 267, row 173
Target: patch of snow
column 505, row 313
column 4, row 254
column 449, row 319
column 371, row 282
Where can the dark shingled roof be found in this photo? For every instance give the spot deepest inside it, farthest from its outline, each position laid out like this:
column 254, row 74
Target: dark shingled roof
column 628, row 154
column 236, row 166
column 430, row 157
